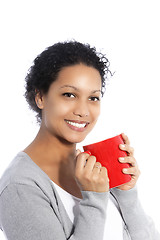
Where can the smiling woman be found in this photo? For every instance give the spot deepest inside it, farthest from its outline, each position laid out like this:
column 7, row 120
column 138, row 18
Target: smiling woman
column 51, row 191
column 50, row 63
column 69, row 107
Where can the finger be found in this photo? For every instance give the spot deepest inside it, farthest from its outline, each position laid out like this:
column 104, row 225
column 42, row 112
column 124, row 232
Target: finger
column 97, row 167
column 81, row 161
column 104, row 173
column 127, row 148
column 78, row 151
column 90, row 163
column 131, row 171
column 88, row 152
column 125, row 138
column 129, row 159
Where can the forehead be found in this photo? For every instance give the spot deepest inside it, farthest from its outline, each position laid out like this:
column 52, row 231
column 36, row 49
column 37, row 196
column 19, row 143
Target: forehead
column 80, row 75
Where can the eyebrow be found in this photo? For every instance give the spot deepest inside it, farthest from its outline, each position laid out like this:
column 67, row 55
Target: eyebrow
column 70, row 86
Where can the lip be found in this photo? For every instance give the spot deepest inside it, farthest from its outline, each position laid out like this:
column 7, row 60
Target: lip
column 77, row 121
column 76, row 128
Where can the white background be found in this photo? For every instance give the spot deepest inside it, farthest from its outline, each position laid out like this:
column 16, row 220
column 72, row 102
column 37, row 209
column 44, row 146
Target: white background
column 128, row 32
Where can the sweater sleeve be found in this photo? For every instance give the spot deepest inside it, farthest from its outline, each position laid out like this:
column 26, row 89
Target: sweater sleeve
column 26, row 214
column 139, row 225
column 91, row 220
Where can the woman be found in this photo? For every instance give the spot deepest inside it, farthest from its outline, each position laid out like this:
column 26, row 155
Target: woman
column 52, row 191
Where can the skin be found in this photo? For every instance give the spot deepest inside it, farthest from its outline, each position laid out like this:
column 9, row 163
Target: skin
column 133, row 170
column 74, row 96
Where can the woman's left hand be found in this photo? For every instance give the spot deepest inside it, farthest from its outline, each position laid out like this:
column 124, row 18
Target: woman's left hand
column 133, row 170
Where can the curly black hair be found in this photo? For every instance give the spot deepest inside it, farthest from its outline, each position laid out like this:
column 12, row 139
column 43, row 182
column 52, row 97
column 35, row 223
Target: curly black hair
column 49, row 63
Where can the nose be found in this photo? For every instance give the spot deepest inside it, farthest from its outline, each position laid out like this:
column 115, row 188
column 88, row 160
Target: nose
column 81, row 110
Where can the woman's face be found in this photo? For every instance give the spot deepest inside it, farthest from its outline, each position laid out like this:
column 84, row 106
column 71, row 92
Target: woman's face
column 71, row 107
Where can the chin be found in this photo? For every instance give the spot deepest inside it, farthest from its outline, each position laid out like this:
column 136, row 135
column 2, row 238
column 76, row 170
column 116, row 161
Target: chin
column 71, row 139
column 74, row 138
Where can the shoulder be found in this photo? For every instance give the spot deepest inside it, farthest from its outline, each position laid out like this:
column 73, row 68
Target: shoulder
column 22, row 170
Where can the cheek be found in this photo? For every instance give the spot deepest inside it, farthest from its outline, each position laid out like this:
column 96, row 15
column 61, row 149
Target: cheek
column 95, row 113
column 56, row 111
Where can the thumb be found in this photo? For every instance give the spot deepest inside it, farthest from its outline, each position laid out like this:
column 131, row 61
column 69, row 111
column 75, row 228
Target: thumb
column 78, row 152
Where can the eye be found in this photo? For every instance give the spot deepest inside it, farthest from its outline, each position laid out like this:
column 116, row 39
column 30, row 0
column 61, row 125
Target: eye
column 94, row 99
column 69, row 95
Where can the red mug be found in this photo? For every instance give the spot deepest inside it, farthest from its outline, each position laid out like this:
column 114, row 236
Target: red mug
column 107, row 153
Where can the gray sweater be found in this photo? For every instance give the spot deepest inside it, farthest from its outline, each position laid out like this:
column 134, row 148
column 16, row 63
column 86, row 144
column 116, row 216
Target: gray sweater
column 31, row 209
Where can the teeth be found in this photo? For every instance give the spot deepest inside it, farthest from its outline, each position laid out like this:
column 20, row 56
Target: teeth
column 79, row 125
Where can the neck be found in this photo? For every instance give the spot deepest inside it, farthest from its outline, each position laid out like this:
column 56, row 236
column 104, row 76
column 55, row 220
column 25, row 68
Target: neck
column 56, row 158
column 52, row 151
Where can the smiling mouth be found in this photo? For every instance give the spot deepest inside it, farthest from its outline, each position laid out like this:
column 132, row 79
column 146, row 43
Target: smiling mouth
column 77, row 124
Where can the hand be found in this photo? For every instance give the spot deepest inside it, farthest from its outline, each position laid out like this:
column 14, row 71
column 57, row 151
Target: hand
column 133, row 170
column 89, row 174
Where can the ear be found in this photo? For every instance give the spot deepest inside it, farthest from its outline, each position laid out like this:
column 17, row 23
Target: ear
column 39, row 100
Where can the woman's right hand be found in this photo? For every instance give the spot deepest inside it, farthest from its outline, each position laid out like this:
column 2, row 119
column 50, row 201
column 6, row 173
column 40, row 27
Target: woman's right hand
column 89, row 174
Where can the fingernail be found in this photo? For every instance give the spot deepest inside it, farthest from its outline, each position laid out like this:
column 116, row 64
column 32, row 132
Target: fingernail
column 121, row 159
column 124, row 170
column 88, row 152
column 122, row 145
